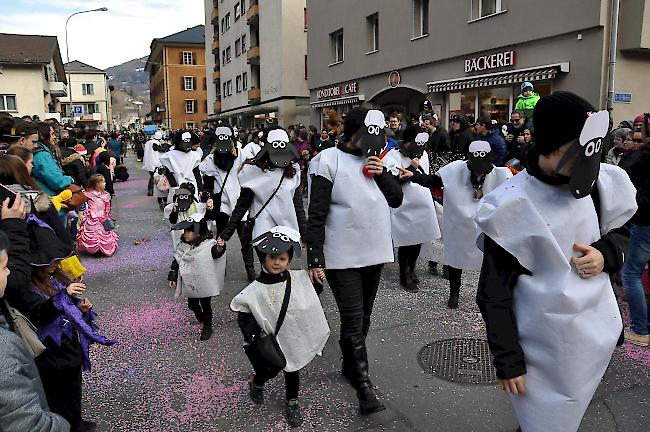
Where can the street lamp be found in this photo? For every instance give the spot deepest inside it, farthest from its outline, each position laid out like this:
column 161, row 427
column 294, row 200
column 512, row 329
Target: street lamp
column 67, row 52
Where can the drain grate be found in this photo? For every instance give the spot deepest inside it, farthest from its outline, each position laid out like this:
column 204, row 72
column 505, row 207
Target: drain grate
column 459, row 360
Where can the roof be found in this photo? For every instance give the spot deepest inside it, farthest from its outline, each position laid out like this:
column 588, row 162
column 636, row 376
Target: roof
column 80, row 67
column 31, row 49
column 192, row 35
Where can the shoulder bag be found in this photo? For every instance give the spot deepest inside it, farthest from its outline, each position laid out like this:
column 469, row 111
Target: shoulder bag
column 26, row 330
column 246, row 236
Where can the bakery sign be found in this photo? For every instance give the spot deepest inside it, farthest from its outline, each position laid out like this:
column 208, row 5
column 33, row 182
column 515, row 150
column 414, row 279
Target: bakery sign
column 339, row 90
column 491, row 61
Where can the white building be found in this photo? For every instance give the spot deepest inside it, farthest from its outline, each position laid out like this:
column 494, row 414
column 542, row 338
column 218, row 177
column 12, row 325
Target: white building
column 31, row 76
column 91, row 98
column 256, row 55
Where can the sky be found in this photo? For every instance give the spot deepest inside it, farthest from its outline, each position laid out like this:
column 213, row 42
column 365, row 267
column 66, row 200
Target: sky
column 102, row 39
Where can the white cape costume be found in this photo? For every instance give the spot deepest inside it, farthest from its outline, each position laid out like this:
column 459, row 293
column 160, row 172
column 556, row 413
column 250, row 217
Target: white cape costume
column 197, row 207
column 568, row 326
column 232, row 190
column 199, row 275
column 151, row 159
column 304, row 331
column 181, row 165
column 459, row 228
column 415, row 221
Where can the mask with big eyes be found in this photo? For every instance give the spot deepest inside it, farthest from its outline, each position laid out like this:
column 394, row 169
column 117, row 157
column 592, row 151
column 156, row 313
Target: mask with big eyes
column 480, row 158
column 279, row 239
column 183, row 199
column 225, row 139
column 587, row 151
column 372, row 137
column 278, row 148
column 183, row 140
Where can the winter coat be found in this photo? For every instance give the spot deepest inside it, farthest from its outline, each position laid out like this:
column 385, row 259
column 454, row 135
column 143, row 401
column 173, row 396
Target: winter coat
column 23, row 406
column 73, row 165
column 461, row 140
column 498, row 145
column 48, row 172
column 527, row 105
column 116, row 147
column 637, row 166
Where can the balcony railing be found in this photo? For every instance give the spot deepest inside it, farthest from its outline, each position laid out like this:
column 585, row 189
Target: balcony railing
column 215, row 45
column 216, row 75
column 214, row 16
column 216, row 106
column 253, row 55
column 58, row 89
column 253, row 15
column 254, row 94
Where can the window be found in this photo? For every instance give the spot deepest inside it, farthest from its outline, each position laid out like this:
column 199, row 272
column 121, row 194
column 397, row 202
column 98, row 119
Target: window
column 223, row 26
column 305, row 18
column 8, row 102
column 243, row 43
column 484, row 8
column 336, row 47
column 238, row 83
column 189, row 125
column 225, row 89
column 188, row 83
column 236, row 11
column 244, row 81
column 420, row 18
column 305, row 66
column 228, row 55
column 229, row 87
column 372, row 29
column 227, row 23
column 237, row 47
column 242, row 10
column 188, row 58
column 91, row 108
column 223, row 57
column 87, row 89
column 189, row 106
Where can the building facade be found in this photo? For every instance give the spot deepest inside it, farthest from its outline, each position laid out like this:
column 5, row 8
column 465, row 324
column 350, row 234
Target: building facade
column 91, row 97
column 177, row 77
column 471, row 56
column 32, row 78
column 257, row 58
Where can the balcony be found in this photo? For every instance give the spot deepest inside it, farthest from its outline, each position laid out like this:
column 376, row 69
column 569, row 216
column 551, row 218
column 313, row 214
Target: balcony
column 58, row 89
column 253, row 15
column 253, row 56
column 214, row 16
column 215, row 45
column 216, row 106
column 254, row 95
column 216, row 75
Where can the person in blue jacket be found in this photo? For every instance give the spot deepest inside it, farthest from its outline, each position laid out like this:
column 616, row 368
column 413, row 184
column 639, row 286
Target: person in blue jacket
column 47, row 170
column 488, row 130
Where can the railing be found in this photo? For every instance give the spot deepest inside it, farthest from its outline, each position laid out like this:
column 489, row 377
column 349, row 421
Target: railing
column 254, row 94
column 216, row 75
column 216, row 106
column 253, row 54
column 253, row 14
column 214, row 15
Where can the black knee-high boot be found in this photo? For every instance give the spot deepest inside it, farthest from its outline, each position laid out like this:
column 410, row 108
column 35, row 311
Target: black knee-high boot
column 150, row 185
column 368, row 402
column 414, row 253
column 404, row 272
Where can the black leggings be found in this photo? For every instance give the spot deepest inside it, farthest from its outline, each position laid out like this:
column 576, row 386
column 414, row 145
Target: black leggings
column 408, row 255
column 63, row 391
column 454, row 280
column 291, row 382
column 355, row 291
column 201, row 308
column 246, row 253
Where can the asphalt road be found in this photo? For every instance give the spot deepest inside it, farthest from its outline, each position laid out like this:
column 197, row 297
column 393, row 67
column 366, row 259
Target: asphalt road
column 160, row 377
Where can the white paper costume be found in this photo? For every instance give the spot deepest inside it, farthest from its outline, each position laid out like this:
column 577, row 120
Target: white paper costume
column 359, row 214
column 414, row 222
column 232, row 189
column 459, row 228
column 186, row 207
column 199, row 274
column 151, row 159
column 305, row 330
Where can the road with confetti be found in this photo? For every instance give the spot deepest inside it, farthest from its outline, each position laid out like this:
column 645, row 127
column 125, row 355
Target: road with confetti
column 161, row 378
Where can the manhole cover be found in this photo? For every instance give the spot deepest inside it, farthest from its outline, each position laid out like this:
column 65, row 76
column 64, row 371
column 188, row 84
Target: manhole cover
column 459, row 360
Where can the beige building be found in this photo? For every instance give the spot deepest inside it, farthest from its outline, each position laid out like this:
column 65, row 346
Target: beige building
column 32, row 78
column 256, row 57
column 91, row 98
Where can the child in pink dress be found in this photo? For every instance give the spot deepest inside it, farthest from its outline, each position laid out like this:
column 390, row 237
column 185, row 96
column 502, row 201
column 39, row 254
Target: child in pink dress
column 96, row 233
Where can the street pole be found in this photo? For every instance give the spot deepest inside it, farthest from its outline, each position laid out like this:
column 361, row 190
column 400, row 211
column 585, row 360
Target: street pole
column 67, row 51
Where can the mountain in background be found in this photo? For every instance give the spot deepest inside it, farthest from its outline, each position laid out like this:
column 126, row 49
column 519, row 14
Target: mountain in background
column 131, row 90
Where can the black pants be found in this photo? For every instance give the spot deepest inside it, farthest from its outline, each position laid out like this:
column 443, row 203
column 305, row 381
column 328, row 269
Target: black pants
column 291, row 382
column 355, row 291
column 246, row 252
column 150, row 184
column 408, row 255
column 454, row 280
column 63, row 392
column 201, row 308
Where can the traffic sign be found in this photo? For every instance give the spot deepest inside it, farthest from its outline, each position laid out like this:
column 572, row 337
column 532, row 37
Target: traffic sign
column 78, row 110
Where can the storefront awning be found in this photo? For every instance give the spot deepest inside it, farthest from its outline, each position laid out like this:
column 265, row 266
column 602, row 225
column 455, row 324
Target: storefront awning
column 540, row 73
column 339, row 101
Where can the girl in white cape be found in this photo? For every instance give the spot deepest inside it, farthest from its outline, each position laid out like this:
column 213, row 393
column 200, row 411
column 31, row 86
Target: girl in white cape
column 304, row 332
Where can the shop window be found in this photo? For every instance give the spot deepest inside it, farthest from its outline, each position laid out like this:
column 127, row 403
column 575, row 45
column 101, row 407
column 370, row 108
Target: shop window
column 463, row 103
column 484, row 8
column 372, row 29
column 495, row 103
column 420, row 18
column 8, row 102
column 336, row 47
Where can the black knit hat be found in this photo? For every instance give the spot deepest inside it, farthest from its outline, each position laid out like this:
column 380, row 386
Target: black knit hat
column 559, row 119
column 353, row 121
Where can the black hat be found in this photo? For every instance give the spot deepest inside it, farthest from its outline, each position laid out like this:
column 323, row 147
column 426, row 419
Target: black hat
column 195, row 223
column 183, row 140
column 353, row 121
column 279, row 239
column 427, row 104
column 45, row 248
column 559, row 119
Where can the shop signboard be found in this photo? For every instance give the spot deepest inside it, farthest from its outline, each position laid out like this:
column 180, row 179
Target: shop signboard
column 339, row 90
column 491, row 61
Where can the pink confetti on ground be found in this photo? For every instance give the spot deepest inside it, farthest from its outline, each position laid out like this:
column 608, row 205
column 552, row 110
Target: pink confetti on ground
column 150, row 321
column 640, row 354
column 128, row 205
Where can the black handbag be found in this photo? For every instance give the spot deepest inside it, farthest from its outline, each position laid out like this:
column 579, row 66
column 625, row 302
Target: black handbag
column 216, row 198
column 246, row 236
column 264, row 352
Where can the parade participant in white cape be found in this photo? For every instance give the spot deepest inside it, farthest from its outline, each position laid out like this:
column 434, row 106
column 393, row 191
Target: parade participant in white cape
column 550, row 236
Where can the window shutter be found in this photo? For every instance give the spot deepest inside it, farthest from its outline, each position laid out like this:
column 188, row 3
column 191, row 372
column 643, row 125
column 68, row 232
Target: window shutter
column 205, row 83
column 183, row 83
column 194, row 87
column 181, row 60
column 193, row 57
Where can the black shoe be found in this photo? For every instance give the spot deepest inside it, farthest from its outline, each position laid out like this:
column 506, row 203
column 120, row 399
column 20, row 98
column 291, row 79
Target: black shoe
column 250, row 273
column 453, row 302
column 414, row 277
column 445, row 272
column 368, row 402
column 85, row 426
column 433, row 268
column 406, row 281
column 256, row 392
column 206, row 332
column 294, row 413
